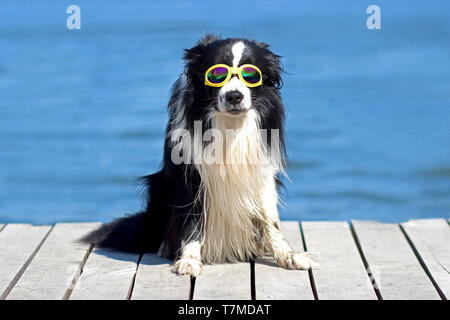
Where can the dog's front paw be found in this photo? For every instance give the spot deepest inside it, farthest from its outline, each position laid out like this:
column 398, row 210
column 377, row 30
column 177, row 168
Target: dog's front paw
column 299, row 261
column 188, row 266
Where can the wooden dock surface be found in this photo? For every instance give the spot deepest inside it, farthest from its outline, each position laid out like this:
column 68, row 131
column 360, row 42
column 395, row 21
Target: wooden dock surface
column 362, row 260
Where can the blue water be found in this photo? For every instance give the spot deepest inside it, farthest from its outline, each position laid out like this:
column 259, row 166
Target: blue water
column 82, row 112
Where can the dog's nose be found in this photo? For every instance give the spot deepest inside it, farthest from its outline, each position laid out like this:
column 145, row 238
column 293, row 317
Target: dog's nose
column 234, row 97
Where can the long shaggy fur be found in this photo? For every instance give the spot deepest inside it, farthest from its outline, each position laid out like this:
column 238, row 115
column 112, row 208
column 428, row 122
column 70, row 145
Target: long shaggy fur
column 200, row 212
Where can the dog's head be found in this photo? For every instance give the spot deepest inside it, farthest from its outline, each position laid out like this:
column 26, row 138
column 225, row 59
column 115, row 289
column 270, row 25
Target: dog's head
column 235, row 97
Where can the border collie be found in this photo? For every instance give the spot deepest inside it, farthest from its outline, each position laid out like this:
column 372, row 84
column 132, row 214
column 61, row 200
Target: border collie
column 215, row 199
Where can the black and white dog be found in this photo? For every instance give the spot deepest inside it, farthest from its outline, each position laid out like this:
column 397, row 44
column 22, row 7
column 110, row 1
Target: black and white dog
column 215, row 199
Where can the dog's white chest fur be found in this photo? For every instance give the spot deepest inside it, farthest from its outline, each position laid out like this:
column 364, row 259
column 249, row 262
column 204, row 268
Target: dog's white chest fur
column 238, row 195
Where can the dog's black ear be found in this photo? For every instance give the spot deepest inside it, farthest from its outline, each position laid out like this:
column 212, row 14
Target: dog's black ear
column 261, row 45
column 208, row 38
column 192, row 55
column 273, row 68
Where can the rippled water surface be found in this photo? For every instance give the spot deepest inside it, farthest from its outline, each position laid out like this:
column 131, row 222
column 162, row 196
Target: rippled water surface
column 82, row 113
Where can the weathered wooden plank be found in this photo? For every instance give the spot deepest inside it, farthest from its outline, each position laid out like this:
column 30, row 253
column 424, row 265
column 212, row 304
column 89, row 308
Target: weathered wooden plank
column 51, row 274
column 18, row 244
column 273, row 282
column 156, row 281
column 224, row 282
column 292, row 234
column 107, row 275
column 342, row 274
column 431, row 240
column 397, row 272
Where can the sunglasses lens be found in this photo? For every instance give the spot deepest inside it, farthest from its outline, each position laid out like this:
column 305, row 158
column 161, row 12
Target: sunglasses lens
column 251, row 75
column 217, row 75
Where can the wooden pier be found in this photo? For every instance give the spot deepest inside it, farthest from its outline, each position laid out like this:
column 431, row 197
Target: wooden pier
column 361, row 260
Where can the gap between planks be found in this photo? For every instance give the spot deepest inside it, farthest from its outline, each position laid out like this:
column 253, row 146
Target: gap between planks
column 22, row 255
column 57, row 264
column 430, row 241
column 247, row 290
column 273, row 282
column 342, row 274
column 392, row 262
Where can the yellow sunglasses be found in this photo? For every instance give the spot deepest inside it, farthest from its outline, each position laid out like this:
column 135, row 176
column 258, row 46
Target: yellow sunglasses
column 219, row 74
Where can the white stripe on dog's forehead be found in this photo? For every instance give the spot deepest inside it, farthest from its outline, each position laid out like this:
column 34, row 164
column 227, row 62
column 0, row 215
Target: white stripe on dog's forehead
column 237, row 50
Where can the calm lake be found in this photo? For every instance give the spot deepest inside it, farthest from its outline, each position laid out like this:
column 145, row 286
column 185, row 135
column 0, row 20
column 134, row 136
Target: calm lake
column 83, row 112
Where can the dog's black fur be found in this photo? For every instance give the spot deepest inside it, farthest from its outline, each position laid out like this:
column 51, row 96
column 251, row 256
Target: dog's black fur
column 171, row 213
